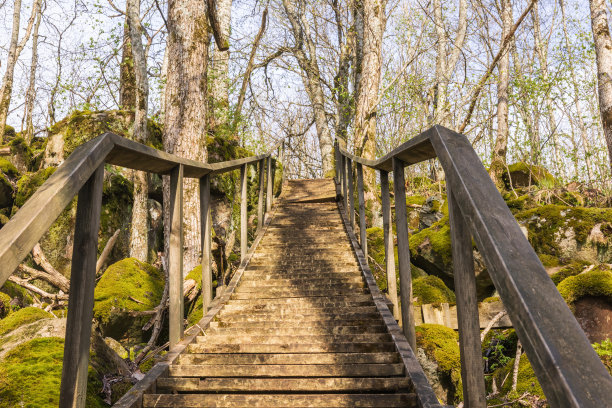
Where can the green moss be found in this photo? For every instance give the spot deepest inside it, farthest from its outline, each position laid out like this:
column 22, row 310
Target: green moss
column 17, row 292
column 491, row 299
column 7, row 168
column 522, row 173
column 597, row 282
column 5, row 305
column 437, row 237
column 604, row 351
column 440, row 343
column 29, row 183
column 572, row 269
column 22, row 317
column 127, row 285
column 526, row 381
column 9, row 132
column 19, row 147
column 546, row 222
column 415, row 200
column 30, row 376
column 431, row 289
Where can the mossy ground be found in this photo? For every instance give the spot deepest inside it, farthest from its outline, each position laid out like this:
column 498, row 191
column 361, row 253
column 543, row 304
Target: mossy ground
column 21, row 317
column 440, row 343
column 431, row 289
column 30, row 376
column 597, row 282
column 574, row 268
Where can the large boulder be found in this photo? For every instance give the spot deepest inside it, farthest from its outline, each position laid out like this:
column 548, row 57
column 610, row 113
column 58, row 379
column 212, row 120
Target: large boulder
column 8, row 187
column 127, row 290
column 523, row 175
column 560, row 234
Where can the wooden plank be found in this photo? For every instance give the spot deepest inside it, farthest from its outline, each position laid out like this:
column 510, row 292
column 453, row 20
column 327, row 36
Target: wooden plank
column 351, row 193
column 388, row 236
column 205, row 219
column 362, row 213
column 260, row 201
column 567, row 367
column 244, row 239
column 286, row 370
column 175, row 257
column 73, row 388
column 31, row 222
column 403, row 252
column 472, row 370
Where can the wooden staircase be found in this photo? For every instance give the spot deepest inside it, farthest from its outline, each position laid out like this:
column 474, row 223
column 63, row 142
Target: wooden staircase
column 301, row 328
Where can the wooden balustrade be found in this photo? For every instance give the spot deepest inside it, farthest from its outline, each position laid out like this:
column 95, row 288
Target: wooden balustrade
column 82, row 173
column 569, row 371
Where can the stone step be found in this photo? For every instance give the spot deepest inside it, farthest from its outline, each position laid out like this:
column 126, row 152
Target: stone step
column 304, row 310
column 285, row 370
column 313, row 293
column 334, row 300
column 301, row 254
column 297, row 289
column 262, row 264
column 292, row 281
column 330, row 318
column 290, row 358
column 296, row 331
column 265, row 307
column 276, row 339
column 324, row 384
column 301, row 273
column 344, row 347
column 279, row 400
column 266, row 324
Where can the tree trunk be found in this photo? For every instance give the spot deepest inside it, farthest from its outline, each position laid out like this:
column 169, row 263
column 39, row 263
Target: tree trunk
column 541, row 51
column 127, row 76
column 374, row 21
column 581, row 125
column 15, row 49
column 185, row 118
column 498, row 161
column 218, row 74
column 603, row 53
column 27, row 125
column 139, row 230
column 343, row 96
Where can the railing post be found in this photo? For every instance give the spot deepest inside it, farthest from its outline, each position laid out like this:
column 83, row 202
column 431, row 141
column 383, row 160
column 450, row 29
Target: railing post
column 351, row 192
column 260, row 201
column 337, row 162
column 205, row 219
column 244, row 244
column 342, row 170
column 389, row 247
column 175, row 257
column 73, row 387
column 345, row 176
column 362, row 215
column 269, row 186
column 472, row 372
column 403, row 252
column 273, row 178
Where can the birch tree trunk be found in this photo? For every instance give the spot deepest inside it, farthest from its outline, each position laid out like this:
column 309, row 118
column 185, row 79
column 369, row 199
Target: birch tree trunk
column 15, row 49
column 374, row 21
column 343, row 96
column 542, row 52
column 139, row 228
column 218, row 74
column 127, row 76
column 185, row 118
column 311, row 77
column 27, row 125
column 498, row 161
column 581, row 125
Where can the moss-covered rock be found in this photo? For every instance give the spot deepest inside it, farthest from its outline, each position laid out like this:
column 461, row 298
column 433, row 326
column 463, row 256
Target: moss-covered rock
column 596, row 282
column 574, row 268
column 5, row 305
column 523, row 175
column 570, row 233
column 125, row 287
column 19, row 296
column 30, row 376
column 431, row 289
column 604, row 351
column 29, row 183
column 21, row 154
column 527, row 382
column 8, row 178
column 22, row 317
column 439, row 355
column 45, row 327
column 82, row 126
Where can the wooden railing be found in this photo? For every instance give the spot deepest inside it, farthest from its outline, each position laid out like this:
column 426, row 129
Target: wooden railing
column 568, row 369
column 82, row 174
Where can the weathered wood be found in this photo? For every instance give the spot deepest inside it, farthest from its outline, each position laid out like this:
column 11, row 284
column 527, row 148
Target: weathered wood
column 567, row 367
column 351, row 192
column 435, row 314
column 31, row 222
column 403, row 252
column 73, row 387
column 205, row 219
column 175, row 257
column 269, row 186
column 345, row 177
column 388, row 236
column 362, row 214
column 244, row 239
column 472, row 371
column 260, row 201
